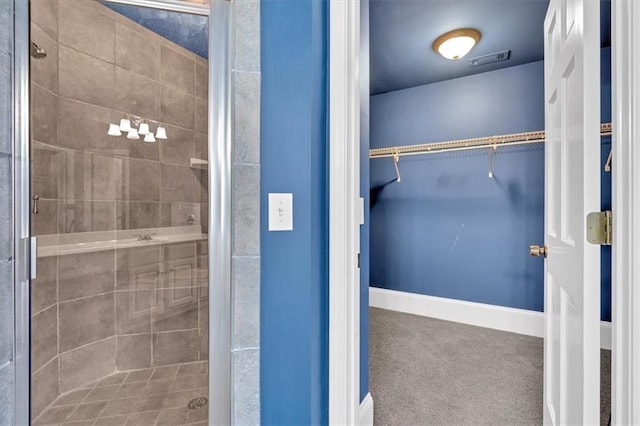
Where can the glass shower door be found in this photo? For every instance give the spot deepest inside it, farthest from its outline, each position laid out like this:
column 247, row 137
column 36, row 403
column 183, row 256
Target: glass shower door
column 119, row 122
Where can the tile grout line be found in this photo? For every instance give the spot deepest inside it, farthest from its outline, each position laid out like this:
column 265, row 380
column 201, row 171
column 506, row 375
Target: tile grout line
column 85, row 345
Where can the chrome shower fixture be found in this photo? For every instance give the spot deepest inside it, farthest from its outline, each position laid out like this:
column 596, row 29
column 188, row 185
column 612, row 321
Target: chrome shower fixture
column 37, row 52
column 135, row 127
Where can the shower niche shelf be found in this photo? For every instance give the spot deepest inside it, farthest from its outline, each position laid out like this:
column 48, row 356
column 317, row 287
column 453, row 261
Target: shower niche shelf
column 197, row 163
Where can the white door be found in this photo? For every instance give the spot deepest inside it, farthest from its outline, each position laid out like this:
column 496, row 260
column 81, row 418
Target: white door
column 572, row 162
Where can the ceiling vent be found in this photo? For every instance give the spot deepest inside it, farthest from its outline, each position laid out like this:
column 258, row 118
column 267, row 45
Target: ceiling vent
column 490, row 58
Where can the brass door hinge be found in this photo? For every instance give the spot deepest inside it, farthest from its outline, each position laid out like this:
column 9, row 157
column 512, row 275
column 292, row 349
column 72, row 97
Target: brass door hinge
column 600, row 228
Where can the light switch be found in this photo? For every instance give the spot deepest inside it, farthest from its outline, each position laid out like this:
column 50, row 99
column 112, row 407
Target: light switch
column 280, row 212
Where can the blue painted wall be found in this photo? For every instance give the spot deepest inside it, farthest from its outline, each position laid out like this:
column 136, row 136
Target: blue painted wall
column 294, row 288
column 448, row 230
column 184, row 29
column 364, row 192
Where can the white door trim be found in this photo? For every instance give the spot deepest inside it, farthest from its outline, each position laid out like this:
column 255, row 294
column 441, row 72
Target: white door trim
column 625, row 384
column 344, row 193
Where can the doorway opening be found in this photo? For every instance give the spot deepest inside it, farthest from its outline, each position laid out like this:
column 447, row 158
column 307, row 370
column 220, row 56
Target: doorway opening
column 450, row 231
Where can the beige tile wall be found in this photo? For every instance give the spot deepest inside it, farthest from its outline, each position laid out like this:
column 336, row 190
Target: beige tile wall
column 89, row 320
column 121, row 309
column 99, row 67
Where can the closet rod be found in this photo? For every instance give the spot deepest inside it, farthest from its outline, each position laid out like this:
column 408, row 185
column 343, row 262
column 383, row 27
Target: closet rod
column 467, row 144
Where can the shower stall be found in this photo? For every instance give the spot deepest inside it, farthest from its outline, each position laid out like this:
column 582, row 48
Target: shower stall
column 129, row 218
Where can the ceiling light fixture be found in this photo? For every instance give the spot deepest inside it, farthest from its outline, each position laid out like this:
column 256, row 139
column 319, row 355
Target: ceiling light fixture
column 457, row 43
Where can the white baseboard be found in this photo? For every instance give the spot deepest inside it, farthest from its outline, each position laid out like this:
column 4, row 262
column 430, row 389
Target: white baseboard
column 521, row 321
column 365, row 416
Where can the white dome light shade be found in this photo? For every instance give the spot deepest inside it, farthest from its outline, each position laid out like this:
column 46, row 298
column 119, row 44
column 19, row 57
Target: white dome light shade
column 161, row 133
column 456, row 47
column 149, row 137
column 125, row 125
column 457, row 43
column 114, row 130
column 133, row 134
column 143, row 129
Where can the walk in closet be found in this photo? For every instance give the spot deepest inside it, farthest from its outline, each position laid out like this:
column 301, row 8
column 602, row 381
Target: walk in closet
column 457, row 197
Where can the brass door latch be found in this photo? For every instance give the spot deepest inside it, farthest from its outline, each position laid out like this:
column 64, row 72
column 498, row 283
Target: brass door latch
column 537, row 251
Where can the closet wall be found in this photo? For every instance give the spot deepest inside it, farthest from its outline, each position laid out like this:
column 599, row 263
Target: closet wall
column 447, row 229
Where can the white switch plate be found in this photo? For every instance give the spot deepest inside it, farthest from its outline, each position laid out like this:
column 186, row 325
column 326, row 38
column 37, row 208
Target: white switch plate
column 280, row 212
column 361, row 210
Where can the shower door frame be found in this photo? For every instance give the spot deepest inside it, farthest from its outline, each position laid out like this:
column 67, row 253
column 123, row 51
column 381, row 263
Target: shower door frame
column 23, row 244
column 220, row 15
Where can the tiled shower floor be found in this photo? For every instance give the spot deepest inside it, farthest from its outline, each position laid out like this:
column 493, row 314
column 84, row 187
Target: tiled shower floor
column 153, row 396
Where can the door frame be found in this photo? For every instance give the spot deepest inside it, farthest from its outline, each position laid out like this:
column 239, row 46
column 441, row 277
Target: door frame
column 625, row 283
column 344, row 307
column 220, row 15
column 21, row 212
column 344, row 217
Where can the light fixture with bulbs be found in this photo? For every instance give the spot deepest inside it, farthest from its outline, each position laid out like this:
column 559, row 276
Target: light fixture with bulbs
column 134, row 127
column 457, row 43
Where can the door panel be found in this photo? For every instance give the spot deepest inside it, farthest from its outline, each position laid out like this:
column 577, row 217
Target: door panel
column 572, row 278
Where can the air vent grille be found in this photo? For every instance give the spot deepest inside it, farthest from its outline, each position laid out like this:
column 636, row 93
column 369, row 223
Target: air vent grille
column 490, row 58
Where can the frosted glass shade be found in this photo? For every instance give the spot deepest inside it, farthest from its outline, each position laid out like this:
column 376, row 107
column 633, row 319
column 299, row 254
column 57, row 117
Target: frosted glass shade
column 143, row 129
column 457, row 47
column 161, row 133
column 114, row 130
column 133, row 134
column 149, row 137
column 125, row 125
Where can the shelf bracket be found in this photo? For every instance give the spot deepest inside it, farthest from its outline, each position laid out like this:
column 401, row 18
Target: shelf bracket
column 396, row 158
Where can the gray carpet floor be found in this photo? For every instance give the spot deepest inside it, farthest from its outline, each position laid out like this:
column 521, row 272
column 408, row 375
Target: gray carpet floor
column 425, row 371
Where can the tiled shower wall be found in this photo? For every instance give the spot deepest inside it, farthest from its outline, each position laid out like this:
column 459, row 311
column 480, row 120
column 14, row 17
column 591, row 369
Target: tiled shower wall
column 99, row 67
column 246, row 214
column 6, row 225
column 94, row 313
column 124, row 309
